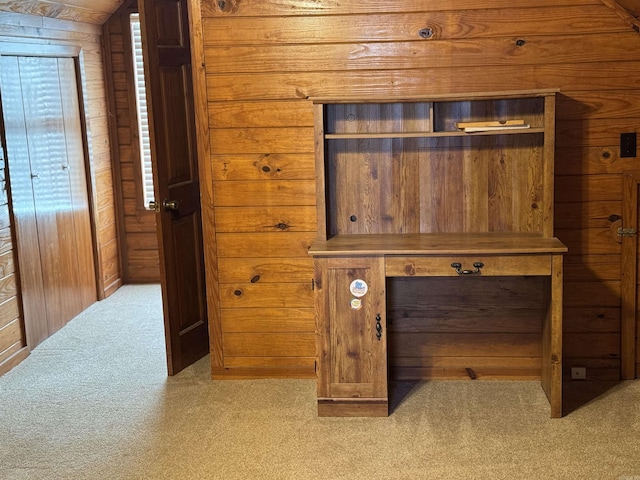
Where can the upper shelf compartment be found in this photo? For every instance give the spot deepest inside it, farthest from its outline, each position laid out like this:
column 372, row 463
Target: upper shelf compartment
column 502, row 116
column 406, row 165
column 379, row 120
column 519, row 113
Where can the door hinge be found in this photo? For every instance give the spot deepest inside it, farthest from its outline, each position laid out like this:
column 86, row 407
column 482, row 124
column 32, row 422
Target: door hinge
column 626, row 232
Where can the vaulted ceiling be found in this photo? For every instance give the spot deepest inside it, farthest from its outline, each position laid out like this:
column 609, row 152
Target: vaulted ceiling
column 632, row 5
column 98, row 11
column 88, row 11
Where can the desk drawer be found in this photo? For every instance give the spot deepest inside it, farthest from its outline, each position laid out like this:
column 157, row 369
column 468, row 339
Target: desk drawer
column 440, row 266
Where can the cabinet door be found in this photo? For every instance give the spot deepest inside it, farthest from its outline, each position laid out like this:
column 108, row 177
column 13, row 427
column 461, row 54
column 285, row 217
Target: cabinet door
column 46, row 156
column 352, row 341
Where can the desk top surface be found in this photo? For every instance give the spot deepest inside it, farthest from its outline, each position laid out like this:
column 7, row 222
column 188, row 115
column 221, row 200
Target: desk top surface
column 438, row 244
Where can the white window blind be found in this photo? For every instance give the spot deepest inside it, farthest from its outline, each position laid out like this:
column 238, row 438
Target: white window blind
column 141, row 103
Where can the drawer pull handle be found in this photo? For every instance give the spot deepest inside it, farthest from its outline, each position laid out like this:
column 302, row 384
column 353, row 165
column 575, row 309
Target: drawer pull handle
column 378, row 327
column 458, row 268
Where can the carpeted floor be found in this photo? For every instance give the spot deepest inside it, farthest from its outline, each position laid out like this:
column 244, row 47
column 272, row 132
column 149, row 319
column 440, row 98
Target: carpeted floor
column 94, row 402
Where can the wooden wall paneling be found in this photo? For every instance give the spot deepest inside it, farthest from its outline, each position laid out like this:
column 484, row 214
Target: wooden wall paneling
column 591, row 319
column 265, row 286
column 13, row 339
column 286, row 166
column 269, row 269
column 591, row 267
column 420, row 54
column 300, row 7
column 575, row 215
column 587, row 188
column 596, row 132
column 298, row 218
column 462, row 24
column 256, row 140
column 258, row 85
column 576, row 105
column 416, row 82
column 274, row 245
column 278, row 192
column 259, row 114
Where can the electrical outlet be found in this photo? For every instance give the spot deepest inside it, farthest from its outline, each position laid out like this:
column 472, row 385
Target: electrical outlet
column 578, row 373
column 628, row 145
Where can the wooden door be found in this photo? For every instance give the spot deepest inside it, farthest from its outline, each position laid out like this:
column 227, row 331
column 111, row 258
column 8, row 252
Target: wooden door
column 167, row 56
column 628, row 286
column 46, row 154
column 352, row 339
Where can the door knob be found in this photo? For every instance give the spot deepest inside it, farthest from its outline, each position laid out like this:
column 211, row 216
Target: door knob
column 170, row 204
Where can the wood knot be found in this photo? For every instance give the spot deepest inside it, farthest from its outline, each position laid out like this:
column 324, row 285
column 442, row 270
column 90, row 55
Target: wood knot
column 410, row 269
column 227, row 6
column 237, row 293
column 426, row 33
column 608, row 156
column 255, row 279
column 520, row 42
column 282, row 226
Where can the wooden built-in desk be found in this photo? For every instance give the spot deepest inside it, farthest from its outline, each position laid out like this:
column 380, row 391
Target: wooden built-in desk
column 402, row 185
column 351, row 324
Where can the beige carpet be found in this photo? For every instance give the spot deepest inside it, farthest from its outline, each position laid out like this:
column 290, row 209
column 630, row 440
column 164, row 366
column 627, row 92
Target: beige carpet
column 94, row 402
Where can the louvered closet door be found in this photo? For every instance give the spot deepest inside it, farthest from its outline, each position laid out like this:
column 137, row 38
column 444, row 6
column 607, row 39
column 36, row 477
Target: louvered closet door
column 45, row 149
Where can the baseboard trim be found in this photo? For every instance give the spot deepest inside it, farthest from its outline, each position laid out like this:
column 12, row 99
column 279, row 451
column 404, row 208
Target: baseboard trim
column 14, row 360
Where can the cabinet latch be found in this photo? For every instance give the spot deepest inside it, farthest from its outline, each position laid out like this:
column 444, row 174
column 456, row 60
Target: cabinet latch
column 626, row 232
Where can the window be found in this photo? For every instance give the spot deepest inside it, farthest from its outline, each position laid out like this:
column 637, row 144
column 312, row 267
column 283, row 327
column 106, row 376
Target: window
column 141, row 104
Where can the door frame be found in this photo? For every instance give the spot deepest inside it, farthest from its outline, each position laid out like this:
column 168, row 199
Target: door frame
column 205, row 170
column 628, row 274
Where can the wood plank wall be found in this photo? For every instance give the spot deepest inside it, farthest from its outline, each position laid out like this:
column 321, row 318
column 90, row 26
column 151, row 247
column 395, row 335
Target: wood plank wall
column 265, row 57
column 13, row 343
column 139, row 245
column 37, row 32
